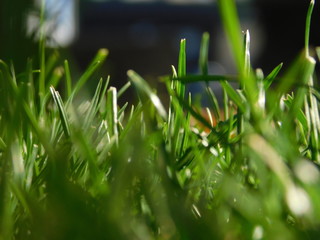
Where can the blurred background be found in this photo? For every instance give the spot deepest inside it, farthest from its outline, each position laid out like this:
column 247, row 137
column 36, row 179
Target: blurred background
column 144, row 35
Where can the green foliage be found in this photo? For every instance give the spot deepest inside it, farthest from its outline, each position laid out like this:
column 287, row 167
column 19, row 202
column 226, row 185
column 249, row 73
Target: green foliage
column 97, row 170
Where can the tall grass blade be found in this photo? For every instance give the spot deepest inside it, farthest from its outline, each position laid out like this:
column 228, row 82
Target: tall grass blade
column 233, row 30
column 112, row 113
column 123, row 89
column 144, row 91
column 313, row 110
column 261, row 88
column 234, row 96
column 182, row 68
column 42, row 76
column 247, row 61
column 297, row 75
column 195, row 114
column 122, row 109
column 204, row 51
column 214, row 103
column 92, row 68
column 225, row 104
column 95, row 103
column 232, row 27
column 272, row 76
column 302, row 71
column 51, row 63
column 30, row 99
column 55, row 78
column 308, row 25
column 68, row 79
column 63, row 115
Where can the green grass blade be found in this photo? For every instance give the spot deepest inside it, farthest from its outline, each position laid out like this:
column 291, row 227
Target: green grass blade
column 112, row 113
column 51, row 63
column 123, row 89
column 214, row 103
column 133, row 118
column 272, row 76
column 315, row 124
column 234, row 96
column 204, row 51
column 144, row 90
column 18, row 169
column 30, row 99
column 92, row 68
column 55, row 77
column 42, row 54
column 68, row 79
column 63, row 115
column 53, row 81
column 103, row 94
column 42, row 75
column 261, row 89
column 225, row 105
column 122, row 109
column 232, row 27
column 195, row 114
column 182, row 134
column 174, row 72
column 297, row 75
column 233, row 30
column 94, row 106
column 247, row 61
column 308, row 24
column 89, row 156
column 302, row 72
column 182, row 62
column 182, row 68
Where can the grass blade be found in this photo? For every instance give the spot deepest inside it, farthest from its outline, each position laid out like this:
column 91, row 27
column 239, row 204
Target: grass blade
column 144, row 90
column 182, row 68
column 94, row 105
column 204, row 51
column 123, row 89
column 68, row 79
column 112, row 114
column 63, row 116
column 247, row 62
column 92, row 68
column 214, row 103
column 233, row 30
column 303, row 71
column 195, row 114
column 272, row 76
column 51, row 63
column 308, row 24
column 233, row 95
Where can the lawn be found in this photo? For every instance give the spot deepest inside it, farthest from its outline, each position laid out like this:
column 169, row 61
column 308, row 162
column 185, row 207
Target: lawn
column 245, row 167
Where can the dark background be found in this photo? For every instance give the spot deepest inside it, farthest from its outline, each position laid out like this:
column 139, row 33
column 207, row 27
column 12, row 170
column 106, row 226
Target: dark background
column 145, row 36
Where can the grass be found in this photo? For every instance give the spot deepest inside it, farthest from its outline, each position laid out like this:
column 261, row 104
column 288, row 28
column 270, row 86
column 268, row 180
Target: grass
column 97, row 170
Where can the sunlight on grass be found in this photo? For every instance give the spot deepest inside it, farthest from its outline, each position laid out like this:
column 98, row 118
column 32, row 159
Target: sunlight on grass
column 245, row 167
